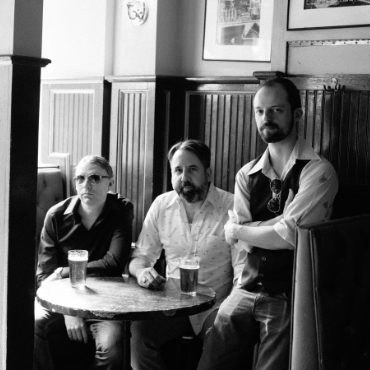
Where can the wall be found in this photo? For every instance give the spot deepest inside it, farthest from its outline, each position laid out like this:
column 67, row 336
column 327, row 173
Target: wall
column 169, row 15
column 171, row 42
column 191, row 39
column 321, row 60
column 78, row 38
column 135, row 46
column 20, row 27
column 191, row 47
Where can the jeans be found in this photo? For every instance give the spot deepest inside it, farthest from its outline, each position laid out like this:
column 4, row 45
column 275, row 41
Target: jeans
column 53, row 349
column 241, row 316
column 148, row 337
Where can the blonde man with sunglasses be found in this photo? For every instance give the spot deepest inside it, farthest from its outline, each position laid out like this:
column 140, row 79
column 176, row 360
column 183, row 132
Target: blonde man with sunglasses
column 288, row 185
column 99, row 221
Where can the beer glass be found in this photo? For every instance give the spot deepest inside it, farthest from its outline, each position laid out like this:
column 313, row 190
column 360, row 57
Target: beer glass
column 189, row 267
column 77, row 260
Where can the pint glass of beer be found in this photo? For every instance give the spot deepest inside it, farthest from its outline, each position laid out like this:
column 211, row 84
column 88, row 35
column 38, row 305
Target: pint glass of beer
column 77, row 260
column 189, row 267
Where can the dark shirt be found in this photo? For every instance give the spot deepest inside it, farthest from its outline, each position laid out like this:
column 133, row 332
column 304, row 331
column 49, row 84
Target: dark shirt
column 108, row 240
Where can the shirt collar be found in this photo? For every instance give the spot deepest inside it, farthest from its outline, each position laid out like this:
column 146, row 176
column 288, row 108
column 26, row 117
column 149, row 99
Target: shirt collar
column 302, row 151
column 73, row 206
column 212, row 197
column 75, row 203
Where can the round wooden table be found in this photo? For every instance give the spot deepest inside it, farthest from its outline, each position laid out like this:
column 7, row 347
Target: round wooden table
column 113, row 298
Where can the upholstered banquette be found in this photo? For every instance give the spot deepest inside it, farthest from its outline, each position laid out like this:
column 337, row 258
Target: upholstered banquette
column 331, row 296
column 49, row 192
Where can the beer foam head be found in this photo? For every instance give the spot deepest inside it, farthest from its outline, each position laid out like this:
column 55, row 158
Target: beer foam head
column 189, row 267
column 78, row 255
column 77, row 258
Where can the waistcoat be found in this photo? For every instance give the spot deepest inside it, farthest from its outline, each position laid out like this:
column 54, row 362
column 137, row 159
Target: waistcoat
column 273, row 269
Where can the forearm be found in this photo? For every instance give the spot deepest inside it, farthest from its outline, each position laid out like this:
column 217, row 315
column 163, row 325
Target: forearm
column 262, row 236
column 111, row 264
column 137, row 265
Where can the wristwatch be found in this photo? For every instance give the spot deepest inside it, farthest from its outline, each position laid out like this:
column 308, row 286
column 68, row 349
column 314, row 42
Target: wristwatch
column 58, row 272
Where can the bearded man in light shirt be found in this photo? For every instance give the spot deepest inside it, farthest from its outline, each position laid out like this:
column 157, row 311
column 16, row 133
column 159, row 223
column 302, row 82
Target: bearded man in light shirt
column 188, row 220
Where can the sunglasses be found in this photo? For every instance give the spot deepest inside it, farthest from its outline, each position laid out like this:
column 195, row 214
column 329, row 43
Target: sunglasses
column 92, row 179
column 274, row 204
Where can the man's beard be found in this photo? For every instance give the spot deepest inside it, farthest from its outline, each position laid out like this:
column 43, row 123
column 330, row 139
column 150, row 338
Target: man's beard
column 275, row 136
column 194, row 193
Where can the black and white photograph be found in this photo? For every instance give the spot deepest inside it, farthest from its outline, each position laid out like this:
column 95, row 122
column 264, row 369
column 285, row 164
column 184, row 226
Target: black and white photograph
column 323, row 4
column 315, row 14
column 238, row 30
column 184, row 185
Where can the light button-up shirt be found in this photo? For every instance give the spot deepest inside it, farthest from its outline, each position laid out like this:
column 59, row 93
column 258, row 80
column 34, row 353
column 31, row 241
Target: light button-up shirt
column 166, row 226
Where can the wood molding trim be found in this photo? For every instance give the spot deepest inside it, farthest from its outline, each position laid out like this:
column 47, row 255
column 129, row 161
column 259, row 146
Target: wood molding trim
column 19, row 115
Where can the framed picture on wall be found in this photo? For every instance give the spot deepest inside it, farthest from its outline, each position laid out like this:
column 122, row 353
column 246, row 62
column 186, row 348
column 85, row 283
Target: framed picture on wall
column 238, row 30
column 310, row 14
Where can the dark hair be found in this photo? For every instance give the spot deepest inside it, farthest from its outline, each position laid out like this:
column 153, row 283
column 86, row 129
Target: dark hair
column 197, row 147
column 294, row 97
column 99, row 161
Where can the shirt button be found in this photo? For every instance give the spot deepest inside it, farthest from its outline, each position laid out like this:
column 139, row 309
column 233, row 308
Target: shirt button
column 263, row 258
column 261, row 275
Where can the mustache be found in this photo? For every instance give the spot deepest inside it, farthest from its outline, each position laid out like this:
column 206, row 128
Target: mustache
column 187, row 183
column 269, row 124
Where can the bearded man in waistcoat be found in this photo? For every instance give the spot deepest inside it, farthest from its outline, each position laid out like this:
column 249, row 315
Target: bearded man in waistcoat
column 289, row 185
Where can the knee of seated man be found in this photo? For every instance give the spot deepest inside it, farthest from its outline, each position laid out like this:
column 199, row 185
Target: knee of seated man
column 107, row 334
column 228, row 314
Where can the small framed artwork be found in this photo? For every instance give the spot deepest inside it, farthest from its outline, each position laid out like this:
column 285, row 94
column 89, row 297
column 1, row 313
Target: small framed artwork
column 311, row 14
column 238, row 30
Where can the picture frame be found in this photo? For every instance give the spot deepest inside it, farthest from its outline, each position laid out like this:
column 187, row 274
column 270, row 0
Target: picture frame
column 238, row 30
column 316, row 14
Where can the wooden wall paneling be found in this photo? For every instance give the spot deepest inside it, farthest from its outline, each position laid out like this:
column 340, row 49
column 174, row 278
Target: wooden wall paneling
column 19, row 122
column 131, row 138
column 235, row 137
column 325, row 105
column 336, row 123
column 344, row 148
column 170, row 100
column 301, row 126
column 363, row 143
column 229, row 113
column 71, row 124
column 222, row 116
column 336, row 131
column 146, row 119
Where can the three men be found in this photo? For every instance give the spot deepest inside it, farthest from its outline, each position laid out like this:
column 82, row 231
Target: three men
column 187, row 221
column 288, row 185
column 101, row 223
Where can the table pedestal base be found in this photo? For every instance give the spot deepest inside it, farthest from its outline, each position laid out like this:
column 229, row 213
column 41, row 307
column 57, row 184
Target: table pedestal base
column 126, row 345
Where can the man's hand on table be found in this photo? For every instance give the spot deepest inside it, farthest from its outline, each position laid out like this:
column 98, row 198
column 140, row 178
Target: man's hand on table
column 149, row 278
column 76, row 328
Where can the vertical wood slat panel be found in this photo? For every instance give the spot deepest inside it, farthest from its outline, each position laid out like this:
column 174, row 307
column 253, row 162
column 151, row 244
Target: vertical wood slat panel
column 363, row 121
column 336, row 131
column 71, row 124
column 130, row 161
column 344, row 143
column 229, row 131
column 353, row 136
column 325, row 124
column 336, row 124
